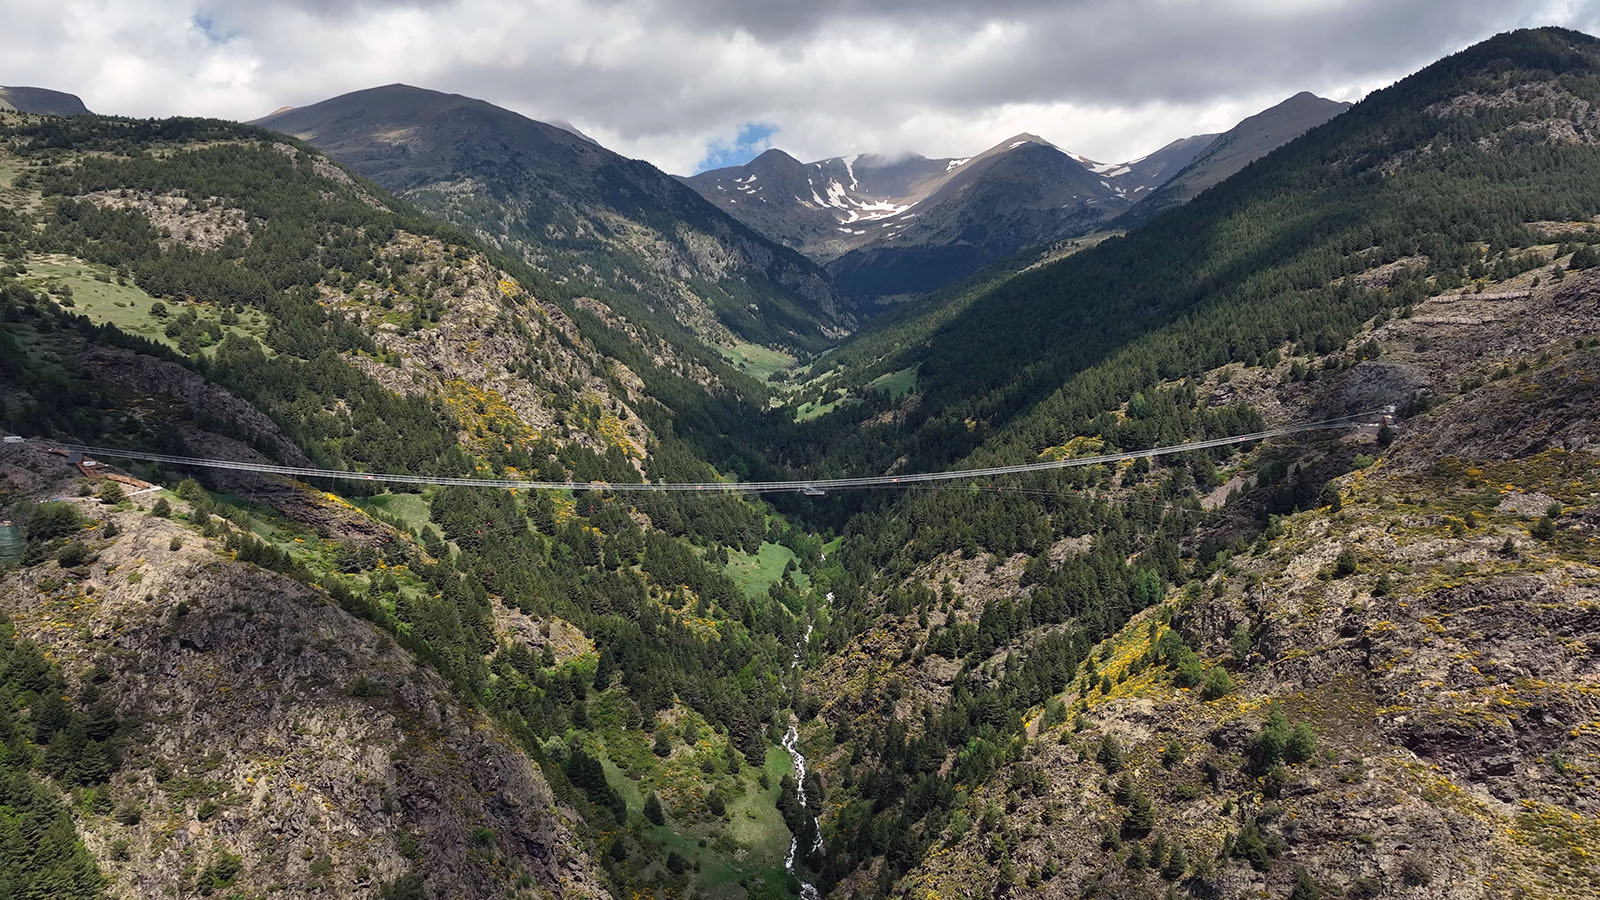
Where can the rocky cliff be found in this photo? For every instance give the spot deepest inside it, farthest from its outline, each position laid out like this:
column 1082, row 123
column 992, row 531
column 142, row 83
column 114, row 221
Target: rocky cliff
column 275, row 744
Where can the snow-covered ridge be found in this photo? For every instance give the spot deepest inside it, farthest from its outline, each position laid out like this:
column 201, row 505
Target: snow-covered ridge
column 863, row 193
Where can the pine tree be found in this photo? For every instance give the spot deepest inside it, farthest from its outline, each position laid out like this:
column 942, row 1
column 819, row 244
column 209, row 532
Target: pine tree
column 653, row 811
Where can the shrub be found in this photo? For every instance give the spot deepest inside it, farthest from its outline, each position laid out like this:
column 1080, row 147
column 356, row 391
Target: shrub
column 1415, row 870
column 1304, row 888
column 1364, row 887
column 1330, row 498
column 1345, row 563
column 191, row 491
column 1255, row 846
column 1273, row 783
column 960, row 823
column 1240, row 644
column 1172, row 754
column 407, row 887
column 112, row 493
column 1544, row 529
column 220, row 873
column 73, row 554
column 52, row 520
column 1302, row 743
column 1190, row 670
column 161, row 508
column 1218, row 683
column 362, row 686
column 1270, row 741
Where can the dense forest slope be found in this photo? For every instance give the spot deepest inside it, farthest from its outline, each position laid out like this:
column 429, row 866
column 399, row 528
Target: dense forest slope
column 644, row 244
column 1357, row 662
column 1426, row 176
column 605, row 677
column 1307, row 668
column 1380, row 688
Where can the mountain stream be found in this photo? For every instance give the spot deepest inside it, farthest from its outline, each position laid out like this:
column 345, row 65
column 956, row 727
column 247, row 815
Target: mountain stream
column 791, row 743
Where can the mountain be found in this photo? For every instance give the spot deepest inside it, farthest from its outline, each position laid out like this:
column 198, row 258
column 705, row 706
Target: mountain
column 640, row 243
column 1309, row 666
column 1024, row 192
column 1352, row 662
column 1259, row 258
column 1236, row 148
column 890, row 226
column 821, row 208
column 41, row 101
column 336, row 690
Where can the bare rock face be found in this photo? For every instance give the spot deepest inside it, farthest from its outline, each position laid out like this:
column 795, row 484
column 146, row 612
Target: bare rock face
column 169, row 384
column 270, row 725
column 445, row 316
column 199, row 226
column 1436, row 633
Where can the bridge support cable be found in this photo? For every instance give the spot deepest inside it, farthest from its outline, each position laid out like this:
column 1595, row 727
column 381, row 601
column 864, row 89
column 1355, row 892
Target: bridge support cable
column 808, row 486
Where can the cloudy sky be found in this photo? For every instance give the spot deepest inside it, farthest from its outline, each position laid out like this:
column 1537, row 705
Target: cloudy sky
column 688, row 83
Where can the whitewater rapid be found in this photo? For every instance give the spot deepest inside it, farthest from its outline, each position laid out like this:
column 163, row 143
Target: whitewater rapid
column 791, row 743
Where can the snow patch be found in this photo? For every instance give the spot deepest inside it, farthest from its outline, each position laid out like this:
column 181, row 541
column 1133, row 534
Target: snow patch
column 956, row 162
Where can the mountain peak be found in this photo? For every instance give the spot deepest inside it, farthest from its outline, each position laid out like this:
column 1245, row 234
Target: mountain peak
column 1017, row 140
column 41, row 101
column 774, row 156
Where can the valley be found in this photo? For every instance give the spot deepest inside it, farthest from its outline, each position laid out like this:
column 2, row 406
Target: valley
column 1282, row 577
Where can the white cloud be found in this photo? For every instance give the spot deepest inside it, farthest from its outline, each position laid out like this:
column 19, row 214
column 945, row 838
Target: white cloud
column 666, row 79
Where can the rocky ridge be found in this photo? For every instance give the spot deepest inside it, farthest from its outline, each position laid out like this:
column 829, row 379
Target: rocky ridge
column 276, row 737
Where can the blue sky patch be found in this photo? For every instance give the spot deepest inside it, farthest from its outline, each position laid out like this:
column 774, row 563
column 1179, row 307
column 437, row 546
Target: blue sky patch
column 208, row 27
column 753, row 139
